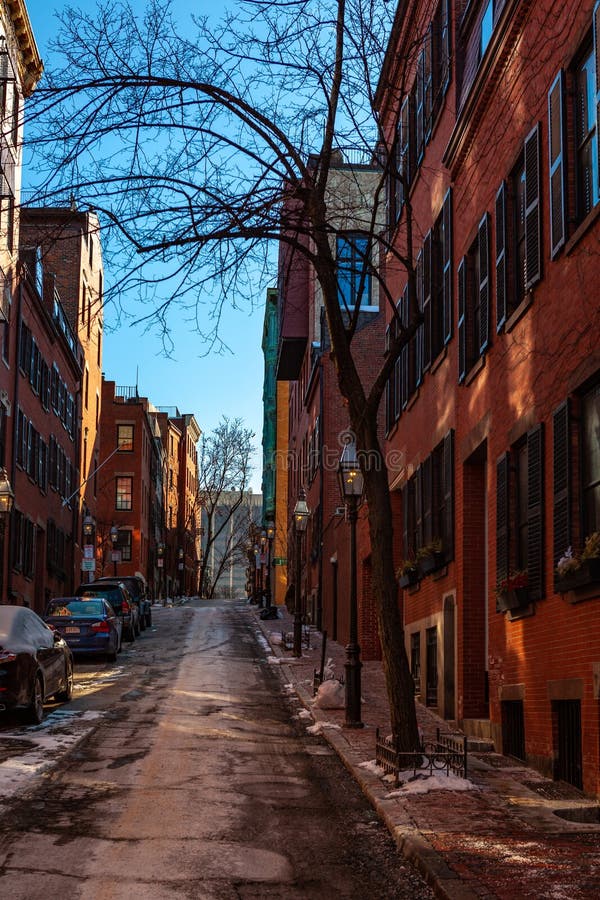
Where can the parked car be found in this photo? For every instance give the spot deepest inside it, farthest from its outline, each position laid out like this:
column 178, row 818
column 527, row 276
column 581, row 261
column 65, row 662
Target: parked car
column 35, row 663
column 121, row 601
column 136, row 587
column 88, row 624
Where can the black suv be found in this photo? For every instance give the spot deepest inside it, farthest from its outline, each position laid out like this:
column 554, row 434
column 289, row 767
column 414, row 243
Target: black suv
column 136, row 587
column 119, row 598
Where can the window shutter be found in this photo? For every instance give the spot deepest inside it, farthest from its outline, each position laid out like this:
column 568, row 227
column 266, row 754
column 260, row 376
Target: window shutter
column 427, row 500
column 447, row 265
column 420, row 114
column 405, row 143
column 561, row 453
column 483, row 250
column 501, row 256
column 405, row 514
column 420, row 329
column 448, row 476
column 535, row 513
column 597, row 60
column 428, row 86
column 557, row 169
column 405, row 353
column 426, row 357
column 397, row 389
column 462, row 319
column 419, row 507
column 502, row 512
column 533, row 261
column 445, row 65
column 398, row 175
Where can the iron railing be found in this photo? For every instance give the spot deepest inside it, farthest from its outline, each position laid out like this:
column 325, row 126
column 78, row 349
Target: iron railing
column 448, row 753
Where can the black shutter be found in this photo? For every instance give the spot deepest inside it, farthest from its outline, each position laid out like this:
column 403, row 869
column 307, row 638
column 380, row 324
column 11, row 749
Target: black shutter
column 502, row 518
column 561, row 454
column 428, row 86
column 462, row 319
column 405, row 515
column 405, row 352
column 596, row 30
column 405, row 145
column 445, row 62
column 448, row 476
column 419, row 507
column 420, row 328
column 483, row 250
column 535, row 512
column 427, row 488
column 447, row 265
column 420, row 111
column 557, row 169
column 533, row 257
column 501, row 256
column 426, row 350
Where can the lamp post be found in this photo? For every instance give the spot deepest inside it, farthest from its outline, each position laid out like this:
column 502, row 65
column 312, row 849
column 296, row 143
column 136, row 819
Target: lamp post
column 351, row 488
column 160, row 553
column 114, row 536
column 181, row 570
column 88, row 536
column 268, row 587
column 7, row 498
column 301, row 515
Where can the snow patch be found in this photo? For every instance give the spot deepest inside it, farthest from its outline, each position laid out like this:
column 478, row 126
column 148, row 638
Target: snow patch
column 319, row 727
column 423, row 783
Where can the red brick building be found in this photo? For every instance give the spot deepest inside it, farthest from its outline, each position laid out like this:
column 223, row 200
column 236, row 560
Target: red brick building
column 496, row 405
column 318, row 421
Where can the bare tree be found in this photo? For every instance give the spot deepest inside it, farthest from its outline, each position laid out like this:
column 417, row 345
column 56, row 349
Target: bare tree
column 224, row 474
column 189, row 149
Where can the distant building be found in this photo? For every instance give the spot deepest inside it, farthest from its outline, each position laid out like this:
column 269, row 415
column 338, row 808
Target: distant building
column 228, row 560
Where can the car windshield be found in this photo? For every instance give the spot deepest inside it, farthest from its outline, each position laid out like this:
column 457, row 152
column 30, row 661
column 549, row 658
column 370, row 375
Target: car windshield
column 75, row 608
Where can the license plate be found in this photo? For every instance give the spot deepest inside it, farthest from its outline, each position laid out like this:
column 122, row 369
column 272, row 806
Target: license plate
column 71, row 629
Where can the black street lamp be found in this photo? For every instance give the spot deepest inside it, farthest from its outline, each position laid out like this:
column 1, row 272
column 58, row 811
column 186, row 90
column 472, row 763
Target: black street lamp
column 301, row 516
column 114, row 536
column 7, row 498
column 271, row 611
column 351, row 488
column 160, row 552
column 88, row 537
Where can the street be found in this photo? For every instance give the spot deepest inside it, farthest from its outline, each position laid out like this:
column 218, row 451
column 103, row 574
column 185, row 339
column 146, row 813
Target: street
column 197, row 780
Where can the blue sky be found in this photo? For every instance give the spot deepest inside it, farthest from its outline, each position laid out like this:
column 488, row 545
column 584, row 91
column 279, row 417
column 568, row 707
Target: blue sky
column 207, row 386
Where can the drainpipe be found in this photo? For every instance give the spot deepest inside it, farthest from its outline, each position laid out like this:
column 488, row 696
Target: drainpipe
column 319, row 622
column 15, row 401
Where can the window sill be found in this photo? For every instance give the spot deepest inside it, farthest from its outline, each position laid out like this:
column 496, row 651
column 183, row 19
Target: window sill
column 581, row 229
column 519, row 312
column 437, row 362
column 474, row 371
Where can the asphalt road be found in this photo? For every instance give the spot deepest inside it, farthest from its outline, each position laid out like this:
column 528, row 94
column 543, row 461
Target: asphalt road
column 197, row 780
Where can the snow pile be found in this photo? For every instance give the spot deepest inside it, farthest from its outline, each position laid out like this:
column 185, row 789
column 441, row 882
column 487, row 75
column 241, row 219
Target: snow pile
column 331, row 695
column 423, row 783
column 319, row 727
column 371, row 766
column 304, row 714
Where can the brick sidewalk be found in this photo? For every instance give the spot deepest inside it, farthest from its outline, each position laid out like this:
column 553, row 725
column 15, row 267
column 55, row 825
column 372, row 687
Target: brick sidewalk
column 503, row 840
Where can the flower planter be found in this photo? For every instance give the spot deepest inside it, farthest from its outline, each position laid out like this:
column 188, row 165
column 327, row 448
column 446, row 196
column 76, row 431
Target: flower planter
column 587, row 573
column 411, row 576
column 431, row 562
column 512, row 599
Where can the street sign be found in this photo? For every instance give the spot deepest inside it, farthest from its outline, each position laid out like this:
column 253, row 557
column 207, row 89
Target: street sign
column 88, row 551
column 280, row 561
column 116, row 556
column 160, row 562
column 180, row 567
column 88, row 565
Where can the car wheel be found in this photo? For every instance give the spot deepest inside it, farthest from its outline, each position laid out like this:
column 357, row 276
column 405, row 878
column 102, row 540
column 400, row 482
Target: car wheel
column 34, row 713
column 112, row 655
column 67, row 695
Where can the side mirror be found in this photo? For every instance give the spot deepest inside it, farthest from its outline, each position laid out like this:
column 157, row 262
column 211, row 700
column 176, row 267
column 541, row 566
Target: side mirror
column 57, row 636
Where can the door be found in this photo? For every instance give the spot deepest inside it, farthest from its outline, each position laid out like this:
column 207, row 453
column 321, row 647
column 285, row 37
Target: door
column 431, row 698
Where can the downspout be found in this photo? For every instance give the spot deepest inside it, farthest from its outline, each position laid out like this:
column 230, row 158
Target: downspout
column 15, row 400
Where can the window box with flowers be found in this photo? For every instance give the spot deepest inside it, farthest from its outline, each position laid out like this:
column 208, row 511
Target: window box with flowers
column 430, row 557
column 407, row 573
column 512, row 592
column 575, row 571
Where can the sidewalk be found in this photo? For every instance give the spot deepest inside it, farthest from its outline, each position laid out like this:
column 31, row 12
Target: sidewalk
column 500, row 839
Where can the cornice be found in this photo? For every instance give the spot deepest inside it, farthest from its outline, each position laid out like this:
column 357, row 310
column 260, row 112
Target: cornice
column 28, row 57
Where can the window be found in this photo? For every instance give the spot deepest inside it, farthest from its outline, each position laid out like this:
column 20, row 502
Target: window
column 353, row 270
column 473, row 301
column 428, row 502
column 415, row 660
column 124, row 492
column 125, row 545
column 125, row 437
column 519, row 512
column 590, row 446
column 486, row 28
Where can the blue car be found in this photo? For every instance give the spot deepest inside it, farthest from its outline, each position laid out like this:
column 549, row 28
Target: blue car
column 87, row 624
